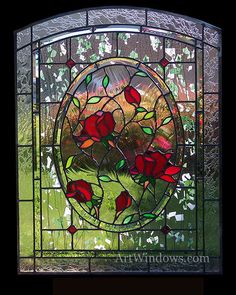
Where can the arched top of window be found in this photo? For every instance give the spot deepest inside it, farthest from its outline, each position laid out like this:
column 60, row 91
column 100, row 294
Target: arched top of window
column 128, row 19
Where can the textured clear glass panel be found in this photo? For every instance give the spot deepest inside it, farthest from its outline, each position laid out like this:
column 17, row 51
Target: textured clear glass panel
column 181, row 80
column 169, row 34
column 188, row 169
column 181, row 212
column 62, row 265
column 23, row 37
column 174, row 23
column 26, row 265
column 95, row 240
column 212, row 227
column 24, row 70
column 177, row 52
column 211, row 118
column 181, row 264
column 36, row 130
column 56, row 212
column 116, row 16
column 48, row 118
column 140, row 47
column 56, row 240
column 181, row 240
column 59, row 24
column 114, row 265
column 55, row 53
column 187, row 112
column 211, row 69
column 212, row 170
column 54, row 80
column 25, row 173
column 200, row 213
column 49, row 175
column 199, row 80
column 24, row 119
column 90, row 48
column 37, row 214
column 142, row 240
column 212, row 36
column 26, row 229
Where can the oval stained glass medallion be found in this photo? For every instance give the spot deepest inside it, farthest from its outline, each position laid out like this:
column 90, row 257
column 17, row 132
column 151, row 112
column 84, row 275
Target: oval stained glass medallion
column 112, row 120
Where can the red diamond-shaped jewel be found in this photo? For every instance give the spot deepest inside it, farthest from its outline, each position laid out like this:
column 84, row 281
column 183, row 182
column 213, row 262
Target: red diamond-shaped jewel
column 165, row 229
column 70, row 63
column 164, row 62
column 72, row 229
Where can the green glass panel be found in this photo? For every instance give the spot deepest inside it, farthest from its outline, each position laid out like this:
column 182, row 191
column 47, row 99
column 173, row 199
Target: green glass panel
column 25, row 173
column 26, row 238
column 142, row 240
column 56, row 240
column 37, row 212
column 24, row 119
column 95, row 240
column 181, row 240
column 56, row 212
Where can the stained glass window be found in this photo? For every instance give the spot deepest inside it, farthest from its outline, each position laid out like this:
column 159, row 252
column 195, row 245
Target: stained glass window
column 118, row 143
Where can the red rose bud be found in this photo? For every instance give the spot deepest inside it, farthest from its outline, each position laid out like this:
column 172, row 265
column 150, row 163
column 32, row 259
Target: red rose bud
column 123, row 201
column 80, row 190
column 156, row 165
column 132, row 96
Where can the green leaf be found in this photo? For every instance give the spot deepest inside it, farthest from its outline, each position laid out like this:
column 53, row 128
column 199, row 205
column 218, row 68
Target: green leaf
column 147, row 130
column 149, row 215
column 143, row 179
column 109, row 137
column 152, row 181
column 95, row 202
column 88, row 79
column 105, row 81
column 128, row 219
column 105, row 178
column 94, row 99
column 141, row 110
column 76, row 102
column 159, row 218
column 141, row 74
column 89, row 204
column 166, row 120
column 149, row 115
column 94, row 197
column 105, row 142
column 137, row 176
column 69, row 162
column 120, row 164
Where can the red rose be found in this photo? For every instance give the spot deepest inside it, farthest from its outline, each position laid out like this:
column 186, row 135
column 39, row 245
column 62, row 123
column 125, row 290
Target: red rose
column 123, row 201
column 99, row 125
column 80, row 190
column 132, row 96
column 156, row 165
